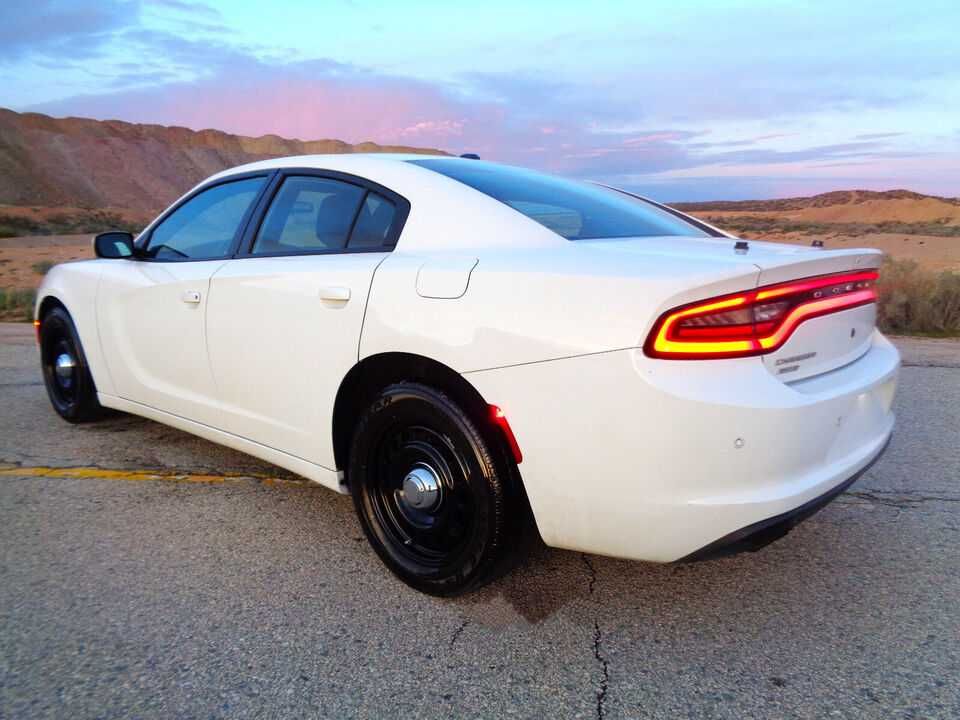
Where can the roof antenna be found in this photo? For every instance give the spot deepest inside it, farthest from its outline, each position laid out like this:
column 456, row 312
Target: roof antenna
column 740, row 247
column 470, row 156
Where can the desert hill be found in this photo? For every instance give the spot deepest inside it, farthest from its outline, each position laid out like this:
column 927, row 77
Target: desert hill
column 84, row 163
column 843, row 206
column 902, row 223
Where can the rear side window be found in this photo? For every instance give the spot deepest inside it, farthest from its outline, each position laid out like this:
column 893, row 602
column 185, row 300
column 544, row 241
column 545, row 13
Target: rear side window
column 573, row 210
column 204, row 227
column 373, row 223
column 309, row 214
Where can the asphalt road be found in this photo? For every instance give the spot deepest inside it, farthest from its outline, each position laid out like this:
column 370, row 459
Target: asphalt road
column 235, row 597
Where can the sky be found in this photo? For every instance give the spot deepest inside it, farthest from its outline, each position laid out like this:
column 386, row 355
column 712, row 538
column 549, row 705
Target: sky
column 681, row 100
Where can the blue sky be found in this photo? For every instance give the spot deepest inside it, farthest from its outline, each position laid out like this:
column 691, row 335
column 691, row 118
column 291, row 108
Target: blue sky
column 681, row 100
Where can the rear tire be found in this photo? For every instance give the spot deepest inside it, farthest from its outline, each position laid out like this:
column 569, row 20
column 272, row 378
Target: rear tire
column 433, row 498
column 65, row 371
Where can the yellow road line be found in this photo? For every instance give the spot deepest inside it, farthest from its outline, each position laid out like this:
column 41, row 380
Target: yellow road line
column 95, row 473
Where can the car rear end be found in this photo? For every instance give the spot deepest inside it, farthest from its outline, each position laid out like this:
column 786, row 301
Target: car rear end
column 740, row 415
column 673, row 389
column 811, row 406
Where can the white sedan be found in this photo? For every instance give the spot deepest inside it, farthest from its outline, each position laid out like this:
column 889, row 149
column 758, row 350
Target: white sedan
column 461, row 344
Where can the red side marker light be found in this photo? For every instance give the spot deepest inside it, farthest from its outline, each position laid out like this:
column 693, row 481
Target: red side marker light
column 500, row 420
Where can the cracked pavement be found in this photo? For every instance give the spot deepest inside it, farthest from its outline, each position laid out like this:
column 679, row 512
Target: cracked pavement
column 250, row 598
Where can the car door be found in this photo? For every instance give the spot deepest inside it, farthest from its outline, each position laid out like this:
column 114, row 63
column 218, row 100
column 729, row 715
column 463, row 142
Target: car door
column 151, row 308
column 284, row 317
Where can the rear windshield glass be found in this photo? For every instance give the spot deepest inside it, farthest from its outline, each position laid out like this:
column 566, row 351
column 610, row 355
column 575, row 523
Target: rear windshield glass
column 574, row 210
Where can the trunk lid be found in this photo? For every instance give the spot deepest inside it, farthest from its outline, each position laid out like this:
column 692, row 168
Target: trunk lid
column 776, row 260
column 818, row 345
column 824, row 343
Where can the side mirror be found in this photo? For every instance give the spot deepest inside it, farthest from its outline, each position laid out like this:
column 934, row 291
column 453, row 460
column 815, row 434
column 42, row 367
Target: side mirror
column 114, row 244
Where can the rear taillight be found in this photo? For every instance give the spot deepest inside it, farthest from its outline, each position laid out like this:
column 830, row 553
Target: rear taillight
column 757, row 321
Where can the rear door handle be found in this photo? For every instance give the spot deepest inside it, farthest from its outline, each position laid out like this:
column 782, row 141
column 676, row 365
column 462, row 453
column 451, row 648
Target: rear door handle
column 190, row 296
column 335, row 294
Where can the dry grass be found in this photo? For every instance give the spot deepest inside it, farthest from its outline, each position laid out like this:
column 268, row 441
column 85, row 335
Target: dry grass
column 917, row 301
column 18, row 224
column 42, row 267
column 17, row 305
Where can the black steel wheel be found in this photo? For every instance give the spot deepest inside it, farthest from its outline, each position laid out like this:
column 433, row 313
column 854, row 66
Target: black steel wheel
column 65, row 372
column 431, row 494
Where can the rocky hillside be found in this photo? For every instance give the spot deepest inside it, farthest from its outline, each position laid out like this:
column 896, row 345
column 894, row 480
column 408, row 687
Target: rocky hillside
column 78, row 162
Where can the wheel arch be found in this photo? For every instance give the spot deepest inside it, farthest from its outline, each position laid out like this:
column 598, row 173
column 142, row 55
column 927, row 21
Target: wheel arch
column 376, row 372
column 46, row 303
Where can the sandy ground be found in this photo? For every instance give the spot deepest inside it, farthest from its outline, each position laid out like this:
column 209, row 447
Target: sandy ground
column 871, row 211
column 19, row 255
column 930, row 251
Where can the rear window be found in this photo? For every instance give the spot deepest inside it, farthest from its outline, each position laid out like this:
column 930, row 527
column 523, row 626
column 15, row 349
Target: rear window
column 573, row 210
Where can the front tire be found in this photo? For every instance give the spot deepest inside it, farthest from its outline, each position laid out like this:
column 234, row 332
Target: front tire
column 65, row 371
column 432, row 496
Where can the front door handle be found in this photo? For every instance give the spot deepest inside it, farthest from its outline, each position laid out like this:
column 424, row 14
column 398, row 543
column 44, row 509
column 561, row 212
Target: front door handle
column 335, row 294
column 190, row 296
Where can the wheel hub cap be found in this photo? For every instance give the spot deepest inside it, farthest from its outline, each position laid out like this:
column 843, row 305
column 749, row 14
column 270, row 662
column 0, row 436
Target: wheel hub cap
column 421, row 489
column 64, row 366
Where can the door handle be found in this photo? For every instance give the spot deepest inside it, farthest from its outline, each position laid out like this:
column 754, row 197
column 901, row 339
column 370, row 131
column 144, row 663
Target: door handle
column 190, row 296
column 335, row 294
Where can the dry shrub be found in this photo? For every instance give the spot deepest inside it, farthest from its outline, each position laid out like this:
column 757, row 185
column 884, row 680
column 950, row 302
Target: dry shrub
column 16, row 305
column 916, row 301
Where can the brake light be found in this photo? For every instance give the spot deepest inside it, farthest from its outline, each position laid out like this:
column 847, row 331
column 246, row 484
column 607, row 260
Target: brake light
column 757, row 321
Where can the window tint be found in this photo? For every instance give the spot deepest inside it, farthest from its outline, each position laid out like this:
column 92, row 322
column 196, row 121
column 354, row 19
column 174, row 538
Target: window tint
column 574, row 210
column 373, row 223
column 204, row 227
column 309, row 214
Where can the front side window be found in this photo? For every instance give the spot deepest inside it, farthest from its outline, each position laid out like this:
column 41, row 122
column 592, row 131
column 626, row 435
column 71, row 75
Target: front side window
column 573, row 210
column 309, row 215
column 204, row 227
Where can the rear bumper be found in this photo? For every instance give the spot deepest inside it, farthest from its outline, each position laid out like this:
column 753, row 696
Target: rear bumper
column 657, row 460
column 760, row 534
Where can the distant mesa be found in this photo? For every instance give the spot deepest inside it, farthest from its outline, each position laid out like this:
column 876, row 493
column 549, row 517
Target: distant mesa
column 823, row 200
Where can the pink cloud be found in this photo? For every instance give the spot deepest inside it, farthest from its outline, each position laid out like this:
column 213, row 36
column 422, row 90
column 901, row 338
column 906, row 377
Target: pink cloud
column 654, row 138
column 433, row 128
column 296, row 102
column 320, row 99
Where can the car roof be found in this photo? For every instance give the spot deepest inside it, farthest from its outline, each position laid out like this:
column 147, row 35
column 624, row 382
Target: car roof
column 445, row 214
column 342, row 162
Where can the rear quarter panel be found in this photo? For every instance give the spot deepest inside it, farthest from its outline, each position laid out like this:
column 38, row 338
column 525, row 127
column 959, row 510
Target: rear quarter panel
column 530, row 304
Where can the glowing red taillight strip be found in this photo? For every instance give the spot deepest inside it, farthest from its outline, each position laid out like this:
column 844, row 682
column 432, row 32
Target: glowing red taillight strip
column 666, row 340
column 813, row 283
column 815, row 309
